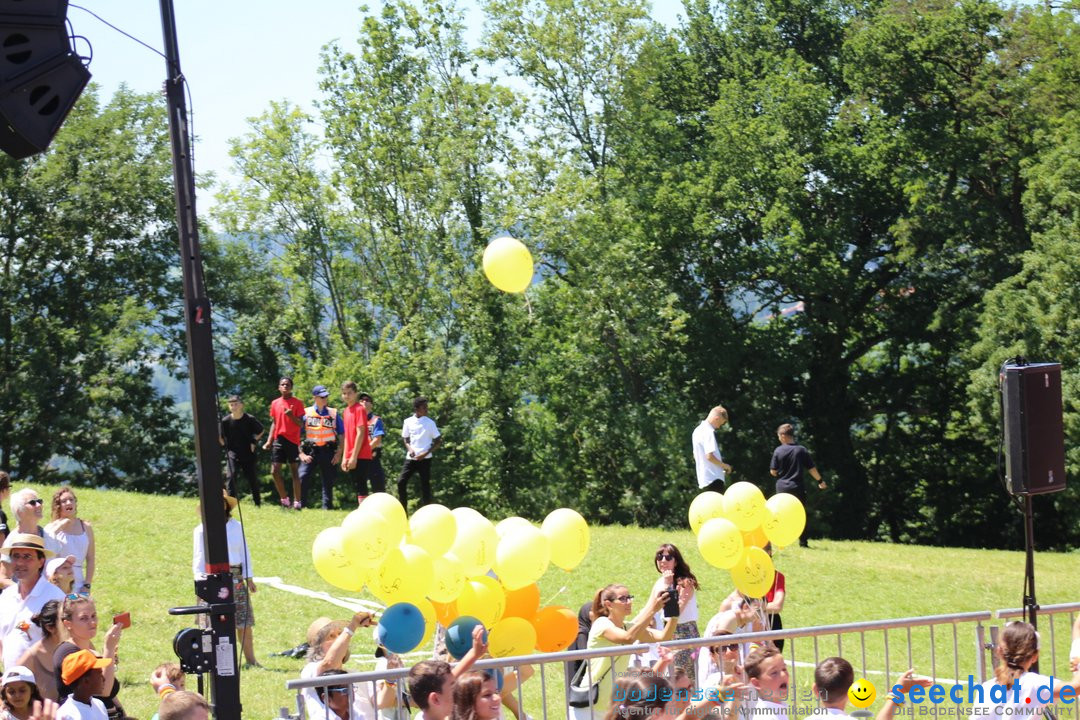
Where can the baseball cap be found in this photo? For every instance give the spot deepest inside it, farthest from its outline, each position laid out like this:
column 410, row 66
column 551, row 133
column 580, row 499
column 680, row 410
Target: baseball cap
column 79, row 663
column 320, row 391
column 18, row 673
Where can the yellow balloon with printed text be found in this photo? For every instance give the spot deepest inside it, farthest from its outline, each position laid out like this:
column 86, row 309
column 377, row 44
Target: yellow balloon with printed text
column 754, row 573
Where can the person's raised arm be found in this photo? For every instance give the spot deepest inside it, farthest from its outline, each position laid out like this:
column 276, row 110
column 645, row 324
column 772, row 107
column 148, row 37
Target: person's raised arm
column 478, row 650
column 335, row 656
column 907, row 681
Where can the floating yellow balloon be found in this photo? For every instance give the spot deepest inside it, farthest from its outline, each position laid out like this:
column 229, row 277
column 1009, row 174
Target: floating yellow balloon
column 568, row 534
column 786, row 519
column 720, row 543
column 706, row 506
column 508, row 264
column 475, row 542
column 482, row 598
column 369, row 537
column 522, row 557
column 744, row 505
column 504, row 526
column 556, row 628
column 333, row 563
column 387, row 507
column 511, row 636
column 404, row 576
column 754, row 574
column 449, row 578
column 433, row 528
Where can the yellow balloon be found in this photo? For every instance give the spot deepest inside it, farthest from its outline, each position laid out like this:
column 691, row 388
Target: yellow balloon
column 369, row 537
column 706, row 506
column 568, row 534
column 449, row 578
column 720, row 543
column 744, row 505
column 522, row 557
column 482, row 598
column 430, row 620
column 511, row 636
column 504, row 526
column 786, row 519
column 754, row 574
column 333, row 563
column 508, row 264
column 475, row 541
column 433, row 528
column 387, row 506
column 404, row 576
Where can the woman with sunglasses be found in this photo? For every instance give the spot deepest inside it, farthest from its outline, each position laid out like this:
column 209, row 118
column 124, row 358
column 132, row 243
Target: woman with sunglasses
column 669, row 562
column 610, row 608
column 721, row 660
column 39, row 656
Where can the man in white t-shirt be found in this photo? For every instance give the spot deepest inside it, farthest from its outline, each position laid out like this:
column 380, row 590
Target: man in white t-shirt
column 711, row 468
column 26, row 595
column 421, row 436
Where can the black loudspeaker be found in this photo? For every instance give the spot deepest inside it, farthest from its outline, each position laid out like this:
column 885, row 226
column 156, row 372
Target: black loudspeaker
column 1034, row 428
column 40, row 75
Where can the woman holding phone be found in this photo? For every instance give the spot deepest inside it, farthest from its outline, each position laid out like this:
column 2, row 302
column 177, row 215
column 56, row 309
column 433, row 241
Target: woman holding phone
column 79, row 617
column 669, row 563
column 611, row 607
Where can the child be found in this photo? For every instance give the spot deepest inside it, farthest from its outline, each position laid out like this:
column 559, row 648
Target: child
column 768, row 675
column 431, row 682
column 82, row 672
column 832, row 678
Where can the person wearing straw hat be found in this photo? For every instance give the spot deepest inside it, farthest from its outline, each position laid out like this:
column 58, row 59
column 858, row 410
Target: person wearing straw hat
column 24, row 598
column 243, row 583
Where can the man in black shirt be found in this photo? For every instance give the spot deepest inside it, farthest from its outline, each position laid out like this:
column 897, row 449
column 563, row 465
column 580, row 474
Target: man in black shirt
column 240, row 433
column 789, row 461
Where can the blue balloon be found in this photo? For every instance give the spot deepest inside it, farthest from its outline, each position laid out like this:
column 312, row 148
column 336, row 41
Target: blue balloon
column 401, row 628
column 459, row 636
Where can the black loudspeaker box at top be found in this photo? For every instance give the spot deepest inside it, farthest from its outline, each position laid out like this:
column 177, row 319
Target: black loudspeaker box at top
column 1034, row 430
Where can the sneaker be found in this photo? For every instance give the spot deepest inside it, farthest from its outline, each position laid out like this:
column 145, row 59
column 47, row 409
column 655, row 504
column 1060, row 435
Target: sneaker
column 296, row 505
column 360, row 499
column 285, row 503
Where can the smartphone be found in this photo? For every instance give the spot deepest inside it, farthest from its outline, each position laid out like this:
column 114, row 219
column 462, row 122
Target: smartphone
column 123, row 619
column 671, row 605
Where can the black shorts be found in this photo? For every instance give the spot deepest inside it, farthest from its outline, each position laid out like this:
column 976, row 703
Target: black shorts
column 284, row 451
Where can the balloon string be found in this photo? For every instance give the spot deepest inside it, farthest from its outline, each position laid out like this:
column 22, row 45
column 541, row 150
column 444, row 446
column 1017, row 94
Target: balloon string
column 557, row 594
column 528, row 306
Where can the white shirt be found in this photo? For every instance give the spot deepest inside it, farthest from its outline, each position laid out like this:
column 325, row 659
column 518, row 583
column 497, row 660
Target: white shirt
column 16, row 610
column 1030, row 684
column 704, row 443
column 238, row 550
column 363, row 708
column 768, row 710
column 420, row 432
column 72, row 709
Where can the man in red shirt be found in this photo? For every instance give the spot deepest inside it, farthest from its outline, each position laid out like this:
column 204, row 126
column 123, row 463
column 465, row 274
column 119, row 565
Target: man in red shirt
column 286, row 419
column 357, row 442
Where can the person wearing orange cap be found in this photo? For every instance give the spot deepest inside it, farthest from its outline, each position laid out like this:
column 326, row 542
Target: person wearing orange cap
column 82, row 672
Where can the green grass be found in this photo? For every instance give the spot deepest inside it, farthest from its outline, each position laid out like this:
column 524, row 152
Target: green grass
column 144, row 566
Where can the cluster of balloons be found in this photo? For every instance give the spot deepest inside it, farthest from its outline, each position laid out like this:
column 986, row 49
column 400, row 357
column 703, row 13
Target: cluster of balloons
column 456, row 568
column 733, row 528
column 508, row 264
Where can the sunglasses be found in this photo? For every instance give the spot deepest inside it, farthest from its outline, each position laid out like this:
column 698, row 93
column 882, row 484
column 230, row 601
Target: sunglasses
column 37, row 501
column 664, row 556
column 625, row 598
column 337, row 690
column 78, row 596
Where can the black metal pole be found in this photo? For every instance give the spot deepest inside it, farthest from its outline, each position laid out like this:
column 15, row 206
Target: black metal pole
column 225, row 680
column 1031, row 607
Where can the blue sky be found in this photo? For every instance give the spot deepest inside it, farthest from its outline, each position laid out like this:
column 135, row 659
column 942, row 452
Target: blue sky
column 237, row 55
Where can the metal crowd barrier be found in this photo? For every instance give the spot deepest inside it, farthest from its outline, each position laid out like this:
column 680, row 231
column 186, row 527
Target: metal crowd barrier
column 931, row 644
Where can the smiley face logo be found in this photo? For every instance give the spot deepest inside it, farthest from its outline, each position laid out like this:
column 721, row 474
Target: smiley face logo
column 862, row 693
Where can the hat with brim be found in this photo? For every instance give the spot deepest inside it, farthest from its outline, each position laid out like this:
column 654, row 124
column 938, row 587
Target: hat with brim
column 29, row 541
column 79, row 663
column 53, row 565
column 18, row 673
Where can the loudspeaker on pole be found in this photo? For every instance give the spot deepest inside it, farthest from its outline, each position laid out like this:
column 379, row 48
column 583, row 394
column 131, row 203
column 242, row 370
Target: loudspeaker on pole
column 1034, row 428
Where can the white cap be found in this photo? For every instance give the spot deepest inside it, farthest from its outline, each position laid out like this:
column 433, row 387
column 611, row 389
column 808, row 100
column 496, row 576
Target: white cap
column 18, row 673
column 52, row 565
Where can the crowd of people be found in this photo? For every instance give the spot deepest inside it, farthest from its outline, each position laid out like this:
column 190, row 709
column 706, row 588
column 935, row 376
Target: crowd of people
column 321, row 440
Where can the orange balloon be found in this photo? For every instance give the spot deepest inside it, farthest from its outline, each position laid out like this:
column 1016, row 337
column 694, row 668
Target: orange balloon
column 445, row 613
column 523, row 602
column 556, row 628
column 755, row 538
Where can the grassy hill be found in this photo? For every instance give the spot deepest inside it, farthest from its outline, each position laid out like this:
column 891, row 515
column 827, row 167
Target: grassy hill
column 144, row 566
